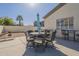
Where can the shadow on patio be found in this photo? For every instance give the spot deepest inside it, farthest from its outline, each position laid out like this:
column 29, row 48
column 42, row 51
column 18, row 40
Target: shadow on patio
column 68, row 43
column 47, row 52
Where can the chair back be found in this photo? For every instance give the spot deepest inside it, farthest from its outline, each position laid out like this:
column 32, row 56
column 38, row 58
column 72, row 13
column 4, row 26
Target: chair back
column 26, row 34
column 48, row 33
column 53, row 35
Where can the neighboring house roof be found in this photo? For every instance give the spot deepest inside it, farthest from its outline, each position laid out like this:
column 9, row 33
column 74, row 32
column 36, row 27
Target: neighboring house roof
column 53, row 10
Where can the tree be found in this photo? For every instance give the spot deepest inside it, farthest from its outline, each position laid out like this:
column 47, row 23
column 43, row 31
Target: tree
column 20, row 19
column 8, row 21
column 1, row 21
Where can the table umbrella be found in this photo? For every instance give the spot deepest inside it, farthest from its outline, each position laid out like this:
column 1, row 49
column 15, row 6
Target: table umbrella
column 38, row 23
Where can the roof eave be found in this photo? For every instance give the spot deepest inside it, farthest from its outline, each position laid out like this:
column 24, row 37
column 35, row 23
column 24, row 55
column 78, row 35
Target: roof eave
column 53, row 10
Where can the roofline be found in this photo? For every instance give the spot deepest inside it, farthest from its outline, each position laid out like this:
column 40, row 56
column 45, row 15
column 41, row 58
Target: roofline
column 53, row 10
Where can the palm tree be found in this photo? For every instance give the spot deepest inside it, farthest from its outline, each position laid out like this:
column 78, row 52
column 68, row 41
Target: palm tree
column 20, row 19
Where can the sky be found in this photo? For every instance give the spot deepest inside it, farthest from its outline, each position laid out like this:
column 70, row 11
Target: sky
column 27, row 10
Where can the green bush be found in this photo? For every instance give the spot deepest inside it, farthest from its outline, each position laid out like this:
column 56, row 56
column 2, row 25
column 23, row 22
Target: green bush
column 6, row 21
column 1, row 21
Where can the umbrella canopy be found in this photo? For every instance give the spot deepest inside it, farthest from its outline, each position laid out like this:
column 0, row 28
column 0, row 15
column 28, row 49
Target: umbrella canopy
column 38, row 23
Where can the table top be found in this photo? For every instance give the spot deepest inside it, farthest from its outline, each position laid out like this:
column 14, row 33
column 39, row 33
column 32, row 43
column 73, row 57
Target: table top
column 37, row 35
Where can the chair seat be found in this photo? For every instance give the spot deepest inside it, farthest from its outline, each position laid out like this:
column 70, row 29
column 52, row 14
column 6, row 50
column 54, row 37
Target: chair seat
column 30, row 39
column 47, row 38
column 38, row 41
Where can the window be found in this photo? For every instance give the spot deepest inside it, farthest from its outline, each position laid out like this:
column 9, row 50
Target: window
column 58, row 24
column 65, row 23
column 71, row 22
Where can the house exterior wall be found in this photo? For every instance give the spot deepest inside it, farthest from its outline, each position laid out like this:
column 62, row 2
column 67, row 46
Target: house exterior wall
column 68, row 10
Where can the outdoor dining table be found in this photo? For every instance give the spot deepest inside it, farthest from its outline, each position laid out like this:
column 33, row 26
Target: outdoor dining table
column 37, row 33
column 39, row 41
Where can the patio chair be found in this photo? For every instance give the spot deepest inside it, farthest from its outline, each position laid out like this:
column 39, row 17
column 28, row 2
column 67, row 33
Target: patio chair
column 65, row 34
column 47, row 33
column 77, row 36
column 39, row 43
column 51, row 38
column 29, row 39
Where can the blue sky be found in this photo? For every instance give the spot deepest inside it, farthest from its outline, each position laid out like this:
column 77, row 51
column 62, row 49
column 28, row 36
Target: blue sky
column 28, row 11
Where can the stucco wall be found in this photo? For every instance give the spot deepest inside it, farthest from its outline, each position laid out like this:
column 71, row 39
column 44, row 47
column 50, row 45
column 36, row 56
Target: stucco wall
column 18, row 28
column 1, row 28
column 67, row 10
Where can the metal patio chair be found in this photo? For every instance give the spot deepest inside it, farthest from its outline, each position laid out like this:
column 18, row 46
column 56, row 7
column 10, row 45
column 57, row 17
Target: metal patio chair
column 39, row 43
column 51, row 38
column 29, row 39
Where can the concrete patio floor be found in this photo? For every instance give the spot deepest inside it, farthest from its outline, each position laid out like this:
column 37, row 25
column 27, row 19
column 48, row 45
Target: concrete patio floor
column 17, row 47
column 68, row 47
column 62, row 48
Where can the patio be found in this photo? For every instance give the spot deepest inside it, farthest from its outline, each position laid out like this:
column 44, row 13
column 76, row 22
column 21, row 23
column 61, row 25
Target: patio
column 62, row 48
column 19, row 45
